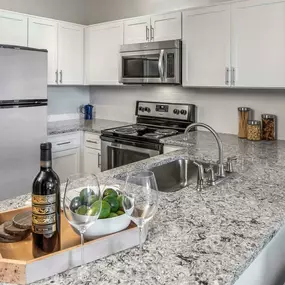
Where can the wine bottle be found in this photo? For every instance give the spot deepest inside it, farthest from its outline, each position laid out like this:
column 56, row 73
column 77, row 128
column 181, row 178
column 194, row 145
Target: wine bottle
column 46, row 206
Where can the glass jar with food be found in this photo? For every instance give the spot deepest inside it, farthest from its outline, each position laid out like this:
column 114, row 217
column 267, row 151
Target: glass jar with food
column 244, row 114
column 254, row 130
column 269, row 127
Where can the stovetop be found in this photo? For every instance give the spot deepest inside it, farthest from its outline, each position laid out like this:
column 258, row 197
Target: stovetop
column 155, row 121
column 141, row 132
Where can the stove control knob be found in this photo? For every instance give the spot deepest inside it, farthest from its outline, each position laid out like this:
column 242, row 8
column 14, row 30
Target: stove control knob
column 147, row 109
column 183, row 112
column 176, row 112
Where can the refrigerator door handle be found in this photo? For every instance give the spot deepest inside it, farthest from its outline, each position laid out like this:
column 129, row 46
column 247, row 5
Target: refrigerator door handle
column 8, row 104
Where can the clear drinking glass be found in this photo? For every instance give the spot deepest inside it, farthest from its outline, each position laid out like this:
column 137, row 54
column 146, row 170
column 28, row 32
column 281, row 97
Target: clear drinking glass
column 140, row 199
column 82, row 203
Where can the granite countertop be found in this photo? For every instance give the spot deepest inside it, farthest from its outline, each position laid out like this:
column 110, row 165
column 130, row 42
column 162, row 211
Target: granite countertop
column 95, row 126
column 206, row 238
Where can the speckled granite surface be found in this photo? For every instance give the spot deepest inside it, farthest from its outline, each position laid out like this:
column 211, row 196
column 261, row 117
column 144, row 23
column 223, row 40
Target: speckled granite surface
column 206, row 238
column 95, row 126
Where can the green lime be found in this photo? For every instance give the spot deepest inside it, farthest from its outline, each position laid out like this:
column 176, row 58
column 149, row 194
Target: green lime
column 94, row 208
column 113, row 202
column 82, row 210
column 105, row 210
column 84, row 194
column 113, row 215
column 110, row 192
column 120, row 200
column 75, row 204
column 120, row 213
column 91, row 199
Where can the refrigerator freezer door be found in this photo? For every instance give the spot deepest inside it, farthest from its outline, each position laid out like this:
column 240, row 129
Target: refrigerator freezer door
column 22, row 130
column 23, row 74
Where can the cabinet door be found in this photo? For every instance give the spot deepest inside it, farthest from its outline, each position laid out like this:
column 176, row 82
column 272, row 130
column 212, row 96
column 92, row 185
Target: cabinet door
column 92, row 160
column 70, row 54
column 166, row 27
column 258, row 43
column 13, row 28
column 43, row 35
column 102, row 53
column 137, row 30
column 206, row 46
column 66, row 163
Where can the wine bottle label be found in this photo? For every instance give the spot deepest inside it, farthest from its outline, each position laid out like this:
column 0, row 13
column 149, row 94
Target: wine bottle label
column 43, row 199
column 44, row 214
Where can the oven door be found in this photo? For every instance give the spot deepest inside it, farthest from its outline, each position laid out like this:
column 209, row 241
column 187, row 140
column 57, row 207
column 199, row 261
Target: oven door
column 153, row 66
column 116, row 154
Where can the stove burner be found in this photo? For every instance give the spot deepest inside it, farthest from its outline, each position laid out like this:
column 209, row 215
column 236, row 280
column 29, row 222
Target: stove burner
column 126, row 131
column 165, row 132
column 139, row 128
column 153, row 136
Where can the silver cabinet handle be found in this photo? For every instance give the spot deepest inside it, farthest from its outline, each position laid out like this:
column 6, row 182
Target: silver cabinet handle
column 99, row 160
column 56, row 77
column 160, row 64
column 60, row 73
column 147, row 33
column 63, row 143
column 233, row 76
column 89, row 141
column 151, row 33
column 227, row 78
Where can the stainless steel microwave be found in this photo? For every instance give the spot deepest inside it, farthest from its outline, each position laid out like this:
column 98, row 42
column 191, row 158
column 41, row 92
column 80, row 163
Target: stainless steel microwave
column 151, row 63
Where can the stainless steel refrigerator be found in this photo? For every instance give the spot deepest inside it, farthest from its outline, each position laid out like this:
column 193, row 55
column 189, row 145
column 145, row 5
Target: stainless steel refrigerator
column 23, row 117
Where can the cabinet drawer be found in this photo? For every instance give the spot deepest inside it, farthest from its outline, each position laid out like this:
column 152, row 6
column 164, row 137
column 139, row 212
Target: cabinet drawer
column 92, row 141
column 64, row 142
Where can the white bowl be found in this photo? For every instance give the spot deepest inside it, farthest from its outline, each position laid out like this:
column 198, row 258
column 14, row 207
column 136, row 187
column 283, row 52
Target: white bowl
column 104, row 227
column 107, row 226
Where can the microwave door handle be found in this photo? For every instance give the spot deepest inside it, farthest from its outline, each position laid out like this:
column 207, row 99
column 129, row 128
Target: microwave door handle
column 160, row 65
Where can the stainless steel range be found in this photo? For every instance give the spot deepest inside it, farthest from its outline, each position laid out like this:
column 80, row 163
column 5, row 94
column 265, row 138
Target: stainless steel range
column 131, row 143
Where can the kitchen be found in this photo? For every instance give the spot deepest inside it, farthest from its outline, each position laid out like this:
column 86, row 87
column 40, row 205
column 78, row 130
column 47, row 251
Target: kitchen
column 208, row 238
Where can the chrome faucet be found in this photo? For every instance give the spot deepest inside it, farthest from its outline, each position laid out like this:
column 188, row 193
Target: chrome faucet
column 221, row 170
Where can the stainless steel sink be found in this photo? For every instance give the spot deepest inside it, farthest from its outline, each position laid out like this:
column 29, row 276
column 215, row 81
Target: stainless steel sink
column 176, row 175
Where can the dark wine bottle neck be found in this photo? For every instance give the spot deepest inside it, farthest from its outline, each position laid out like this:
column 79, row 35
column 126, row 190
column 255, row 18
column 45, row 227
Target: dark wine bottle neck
column 46, row 159
column 46, row 164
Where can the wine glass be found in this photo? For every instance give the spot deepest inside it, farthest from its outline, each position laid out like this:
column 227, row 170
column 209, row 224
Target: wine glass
column 82, row 203
column 140, row 200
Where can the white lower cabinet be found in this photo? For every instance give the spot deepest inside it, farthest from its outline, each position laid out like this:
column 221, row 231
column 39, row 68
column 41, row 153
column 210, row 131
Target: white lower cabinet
column 66, row 163
column 92, row 153
column 66, row 154
column 92, row 160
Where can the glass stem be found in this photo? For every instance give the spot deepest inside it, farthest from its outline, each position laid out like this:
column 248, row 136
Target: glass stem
column 141, row 243
column 82, row 246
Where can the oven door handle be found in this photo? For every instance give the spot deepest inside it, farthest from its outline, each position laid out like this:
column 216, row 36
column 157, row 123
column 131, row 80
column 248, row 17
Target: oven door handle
column 131, row 148
column 161, row 65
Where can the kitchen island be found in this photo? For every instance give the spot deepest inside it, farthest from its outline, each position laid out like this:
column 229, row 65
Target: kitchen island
column 206, row 238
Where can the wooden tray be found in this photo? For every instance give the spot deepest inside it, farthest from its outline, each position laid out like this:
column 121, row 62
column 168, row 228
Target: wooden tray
column 18, row 266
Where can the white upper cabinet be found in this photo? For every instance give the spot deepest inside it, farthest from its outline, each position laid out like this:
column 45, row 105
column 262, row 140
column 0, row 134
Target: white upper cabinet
column 258, row 43
column 43, row 35
column 13, row 28
column 166, row 27
column 155, row 28
column 206, row 46
column 70, row 54
column 137, row 30
column 102, row 53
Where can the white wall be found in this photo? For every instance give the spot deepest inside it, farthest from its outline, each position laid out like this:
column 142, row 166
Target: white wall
column 66, row 100
column 216, row 107
column 76, row 11
column 107, row 10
